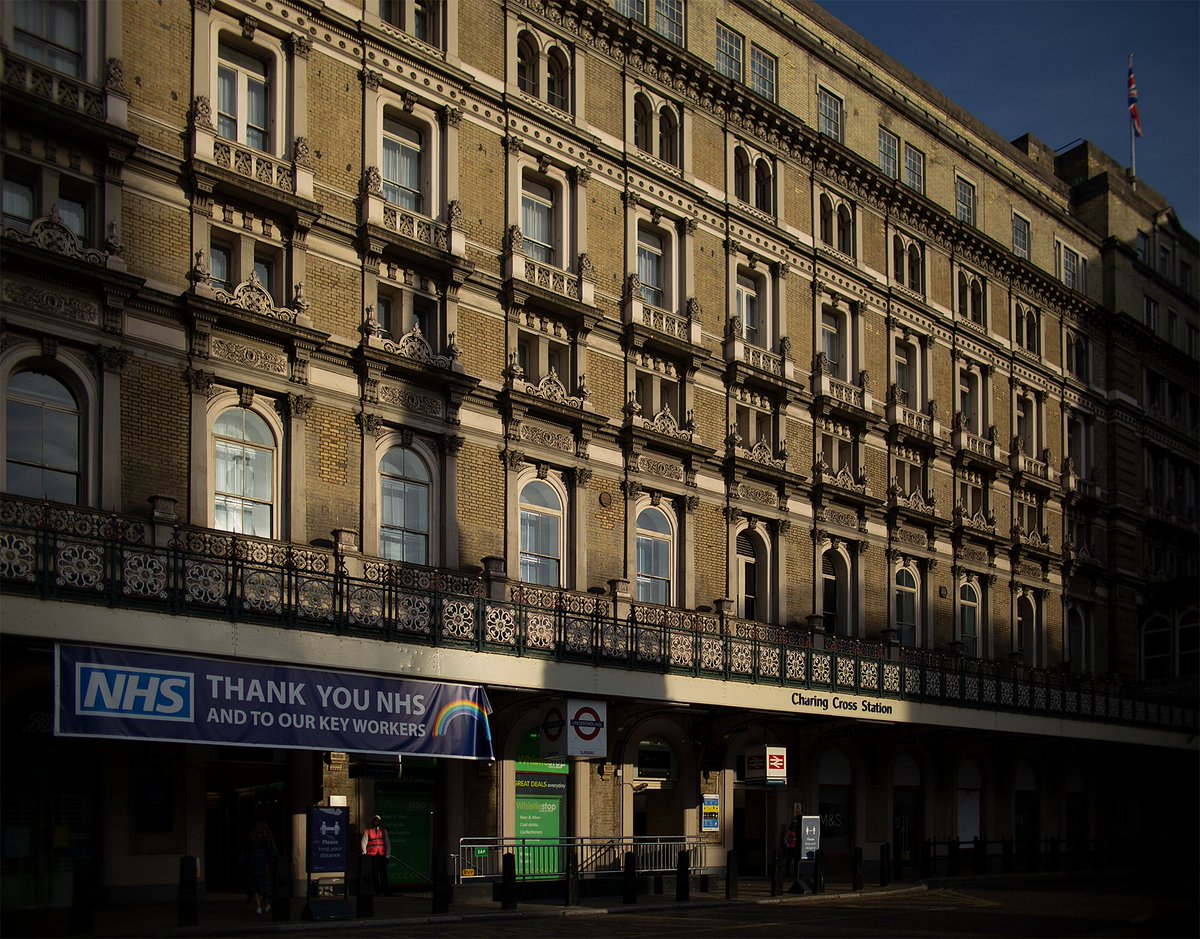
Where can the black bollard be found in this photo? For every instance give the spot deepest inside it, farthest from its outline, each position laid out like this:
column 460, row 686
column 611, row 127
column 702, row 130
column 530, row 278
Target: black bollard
column 954, row 860
column 897, row 862
column 508, row 883
column 683, row 877
column 856, row 875
column 82, row 903
column 629, row 877
column 441, row 885
column 364, row 908
column 773, row 874
column 818, row 873
column 189, row 906
column 885, row 864
column 572, row 892
column 281, row 891
column 731, row 876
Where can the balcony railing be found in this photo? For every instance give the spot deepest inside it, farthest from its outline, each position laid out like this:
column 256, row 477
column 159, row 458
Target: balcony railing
column 68, row 554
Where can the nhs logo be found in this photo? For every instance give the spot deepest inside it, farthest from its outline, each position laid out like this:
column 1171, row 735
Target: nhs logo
column 121, row 691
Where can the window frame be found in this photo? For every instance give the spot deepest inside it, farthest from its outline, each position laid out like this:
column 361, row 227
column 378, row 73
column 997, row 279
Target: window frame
column 908, row 632
column 1021, row 225
column 966, row 200
column 42, row 41
column 730, row 56
column 831, row 114
column 430, row 505
column 76, row 470
column 669, row 538
column 233, row 58
column 914, row 168
column 972, row 643
column 892, row 159
column 764, row 71
column 224, row 404
column 559, row 517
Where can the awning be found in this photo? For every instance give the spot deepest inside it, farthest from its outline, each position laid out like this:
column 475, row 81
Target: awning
column 105, row 692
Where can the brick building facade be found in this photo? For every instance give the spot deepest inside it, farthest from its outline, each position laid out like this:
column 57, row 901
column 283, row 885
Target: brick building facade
column 721, row 362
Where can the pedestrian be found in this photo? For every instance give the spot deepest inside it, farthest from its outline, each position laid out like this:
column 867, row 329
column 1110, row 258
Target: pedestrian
column 377, row 848
column 789, row 848
column 260, row 863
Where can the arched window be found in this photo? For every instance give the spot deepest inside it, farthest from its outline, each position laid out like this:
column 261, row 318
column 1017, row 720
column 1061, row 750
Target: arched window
column 898, row 265
column 538, row 223
column 557, row 80
column 527, row 64
column 741, row 175
column 1076, row 640
column 762, row 186
column 1156, row 649
column 655, row 556
column 916, row 279
column 541, row 534
column 845, row 230
column 651, row 267
column 404, row 506
column 750, row 568
column 243, row 97
column 42, row 440
column 748, row 309
column 964, row 296
column 668, row 136
column 244, row 474
column 826, row 220
column 906, row 607
column 1189, row 645
column 976, row 302
column 968, row 619
column 643, row 119
column 835, row 583
column 1027, row 630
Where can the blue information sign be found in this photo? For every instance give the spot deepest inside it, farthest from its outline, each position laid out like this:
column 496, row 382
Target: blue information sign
column 328, row 831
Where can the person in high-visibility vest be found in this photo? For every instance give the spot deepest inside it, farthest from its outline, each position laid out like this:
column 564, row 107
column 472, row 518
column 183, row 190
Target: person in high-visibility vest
column 376, row 848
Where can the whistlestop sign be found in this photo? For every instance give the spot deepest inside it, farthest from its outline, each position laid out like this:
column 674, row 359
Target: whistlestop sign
column 103, row 692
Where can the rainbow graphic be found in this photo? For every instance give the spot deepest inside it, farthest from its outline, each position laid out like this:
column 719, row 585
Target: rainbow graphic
column 460, row 708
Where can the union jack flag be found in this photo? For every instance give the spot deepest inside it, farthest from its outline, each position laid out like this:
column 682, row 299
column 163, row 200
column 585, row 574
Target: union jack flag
column 1133, row 100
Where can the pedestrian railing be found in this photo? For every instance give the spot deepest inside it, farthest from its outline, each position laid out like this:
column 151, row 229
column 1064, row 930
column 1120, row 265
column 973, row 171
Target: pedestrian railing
column 547, row 858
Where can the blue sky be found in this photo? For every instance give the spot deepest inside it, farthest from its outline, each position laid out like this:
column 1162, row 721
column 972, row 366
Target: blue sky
column 1058, row 68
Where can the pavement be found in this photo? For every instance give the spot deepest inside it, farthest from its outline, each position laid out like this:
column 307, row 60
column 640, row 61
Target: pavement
column 234, row 915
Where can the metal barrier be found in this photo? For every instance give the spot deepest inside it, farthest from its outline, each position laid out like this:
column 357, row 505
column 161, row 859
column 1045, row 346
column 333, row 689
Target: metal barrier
column 546, row 858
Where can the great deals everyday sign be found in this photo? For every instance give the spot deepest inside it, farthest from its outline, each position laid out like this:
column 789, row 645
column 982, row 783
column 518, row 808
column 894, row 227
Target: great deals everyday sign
column 102, row 692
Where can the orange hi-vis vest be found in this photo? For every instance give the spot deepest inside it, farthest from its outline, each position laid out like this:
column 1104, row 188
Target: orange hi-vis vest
column 375, row 841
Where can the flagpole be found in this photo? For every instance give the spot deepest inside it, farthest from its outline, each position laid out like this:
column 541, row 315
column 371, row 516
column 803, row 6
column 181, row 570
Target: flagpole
column 1132, row 139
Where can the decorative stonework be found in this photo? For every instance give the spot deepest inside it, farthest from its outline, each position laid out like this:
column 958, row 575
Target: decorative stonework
column 52, row 303
column 413, row 346
column 242, row 354
column 251, row 296
column 50, row 234
column 655, row 467
column 767, row 497
column 542, row 436
column 411, row 400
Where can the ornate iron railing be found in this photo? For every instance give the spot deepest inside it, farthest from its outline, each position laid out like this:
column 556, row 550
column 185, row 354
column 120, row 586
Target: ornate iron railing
column 66, row 553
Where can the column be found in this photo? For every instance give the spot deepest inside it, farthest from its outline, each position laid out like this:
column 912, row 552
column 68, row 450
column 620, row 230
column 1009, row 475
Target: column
column 297, row 408
column 111, row 360
column 201, row 383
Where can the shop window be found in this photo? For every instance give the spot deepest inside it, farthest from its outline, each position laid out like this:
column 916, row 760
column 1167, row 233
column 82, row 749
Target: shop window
column 43, row 438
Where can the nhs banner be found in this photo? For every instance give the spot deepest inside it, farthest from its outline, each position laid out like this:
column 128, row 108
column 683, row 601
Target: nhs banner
column 102, row 692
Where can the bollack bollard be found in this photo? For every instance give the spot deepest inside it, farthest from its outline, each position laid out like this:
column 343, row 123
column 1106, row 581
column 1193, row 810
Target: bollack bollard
column 818, row 873
column 189, row 898
column 572, row 892
column 773, row 873
column 683, row 877
column 885, row 864
column 856, row 875
column 731, row 876
column 441, row 885
column 508, row 883
column 629, row 877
